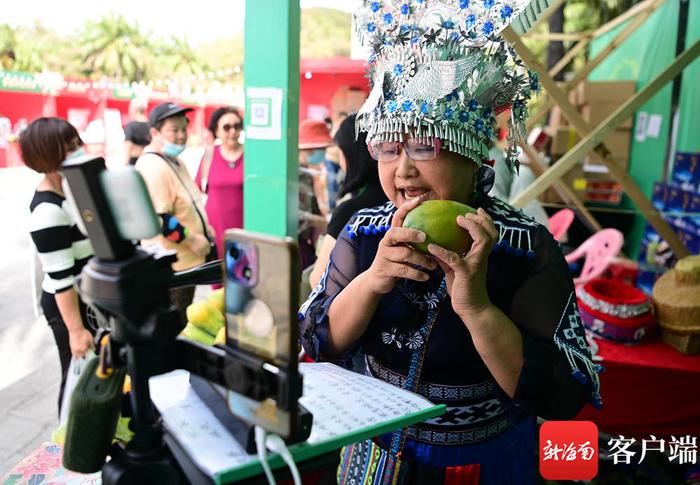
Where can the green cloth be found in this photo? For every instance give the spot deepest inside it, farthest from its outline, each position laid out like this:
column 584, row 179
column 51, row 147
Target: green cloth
column 641, row 58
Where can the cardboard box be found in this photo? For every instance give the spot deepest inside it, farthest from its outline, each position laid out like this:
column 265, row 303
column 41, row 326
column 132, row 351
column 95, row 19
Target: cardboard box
column 564, row 140
column 678, row 199
column 692, row 242
column 602, row 189
column 618, row 142
column 659, row 196
column 596, row 113
column 594, row 92
column 572, row 178
column 686, row 170
column 556, row 119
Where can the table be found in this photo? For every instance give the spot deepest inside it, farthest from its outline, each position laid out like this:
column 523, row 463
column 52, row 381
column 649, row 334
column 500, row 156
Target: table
column 43, row 465
column 649, row 388
column 347, row 408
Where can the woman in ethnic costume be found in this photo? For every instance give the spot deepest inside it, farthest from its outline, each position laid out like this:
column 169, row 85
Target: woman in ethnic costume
column 497, row 329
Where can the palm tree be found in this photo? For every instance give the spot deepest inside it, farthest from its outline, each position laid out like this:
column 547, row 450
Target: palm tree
column 7, row 47
column 115, row 47
column 180, row 58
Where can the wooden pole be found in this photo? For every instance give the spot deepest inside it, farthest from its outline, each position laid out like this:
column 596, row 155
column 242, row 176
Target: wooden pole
column 564, row 191
column 593, row 138
column 564, row 61
column 623, row 17
column 558, row 36
column 602, row 55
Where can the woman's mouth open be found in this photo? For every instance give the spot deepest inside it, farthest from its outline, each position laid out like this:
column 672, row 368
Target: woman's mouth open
column 412, row 193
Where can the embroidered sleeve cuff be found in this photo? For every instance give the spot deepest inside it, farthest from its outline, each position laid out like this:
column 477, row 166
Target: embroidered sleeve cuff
column 546, row 387
column 315, row 334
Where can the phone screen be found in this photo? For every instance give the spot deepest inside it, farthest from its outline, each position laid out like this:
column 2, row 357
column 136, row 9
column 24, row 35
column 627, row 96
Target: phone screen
column 261, row 292
column 259, row 295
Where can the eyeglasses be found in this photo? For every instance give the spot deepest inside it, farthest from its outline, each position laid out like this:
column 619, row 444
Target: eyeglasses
column 425, row 148
column 235, row 126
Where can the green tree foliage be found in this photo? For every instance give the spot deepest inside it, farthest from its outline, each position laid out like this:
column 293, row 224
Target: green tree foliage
column 222, row 53
column 177, row 57
column 116, row 47
column 581, row 16
column 325, row 33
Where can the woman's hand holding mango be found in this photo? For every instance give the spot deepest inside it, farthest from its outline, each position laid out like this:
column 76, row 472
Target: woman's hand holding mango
column 395, row 258
column 465, row 277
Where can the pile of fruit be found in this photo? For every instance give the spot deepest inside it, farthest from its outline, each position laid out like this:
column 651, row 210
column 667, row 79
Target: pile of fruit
column 205, row 320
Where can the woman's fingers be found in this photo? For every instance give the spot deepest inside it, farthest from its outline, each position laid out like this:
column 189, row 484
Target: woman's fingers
column 402, row 235
column 403, row 270
column 406, row 255
column 483, row 219
column 449, row 258
column 487, row 223
column 403, row 209
column 476, row 230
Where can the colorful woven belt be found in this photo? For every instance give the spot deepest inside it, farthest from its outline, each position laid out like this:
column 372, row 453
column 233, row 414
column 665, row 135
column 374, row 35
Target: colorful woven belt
column 473, row 413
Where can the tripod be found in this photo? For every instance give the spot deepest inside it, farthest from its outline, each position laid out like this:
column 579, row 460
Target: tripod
column 130, row 286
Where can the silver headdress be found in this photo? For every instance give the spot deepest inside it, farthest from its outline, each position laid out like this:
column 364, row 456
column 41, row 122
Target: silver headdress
column 439, row 68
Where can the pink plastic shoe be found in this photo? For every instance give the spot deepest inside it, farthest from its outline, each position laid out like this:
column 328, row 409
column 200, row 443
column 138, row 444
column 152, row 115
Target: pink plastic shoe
column 560, row 222
column 598, row 251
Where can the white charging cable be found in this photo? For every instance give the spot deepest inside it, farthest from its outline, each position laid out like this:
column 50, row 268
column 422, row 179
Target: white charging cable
column 269, row 441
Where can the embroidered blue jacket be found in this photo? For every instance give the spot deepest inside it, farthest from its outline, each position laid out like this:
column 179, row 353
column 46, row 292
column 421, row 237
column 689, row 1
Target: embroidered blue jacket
column 528, row 279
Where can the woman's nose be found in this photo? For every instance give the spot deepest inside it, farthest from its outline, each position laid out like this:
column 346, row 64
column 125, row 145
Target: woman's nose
column 406, row 167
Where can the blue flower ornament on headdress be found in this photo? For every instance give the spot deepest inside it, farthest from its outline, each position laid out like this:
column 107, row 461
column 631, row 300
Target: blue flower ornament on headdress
column 439, row 68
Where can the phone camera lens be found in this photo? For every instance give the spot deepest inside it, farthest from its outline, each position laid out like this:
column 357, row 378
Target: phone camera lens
column 247, row 272
column 233, row 251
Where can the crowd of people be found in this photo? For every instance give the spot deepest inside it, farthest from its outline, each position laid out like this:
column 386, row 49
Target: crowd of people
column 195, row 211
column 493, row 332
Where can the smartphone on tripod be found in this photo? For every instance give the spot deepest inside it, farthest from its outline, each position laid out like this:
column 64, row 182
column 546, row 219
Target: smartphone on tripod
column 261, row 293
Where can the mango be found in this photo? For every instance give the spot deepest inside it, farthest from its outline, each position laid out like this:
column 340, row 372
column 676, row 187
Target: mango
column 221, row 337
column 195, row 333
column 438, row 220
column 205, row 316
column 216, row 299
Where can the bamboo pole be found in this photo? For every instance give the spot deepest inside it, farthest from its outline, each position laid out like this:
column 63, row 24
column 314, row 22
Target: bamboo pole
column 564, row 61
column 564, row 191
column 602, row 55
column 559, row 36
column 623, row 17
column 593, row 138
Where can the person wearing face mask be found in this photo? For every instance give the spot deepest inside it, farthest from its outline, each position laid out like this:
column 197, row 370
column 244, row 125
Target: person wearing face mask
column 314, row 138
column 63, row 250
column 220, row 174
column 173, row 192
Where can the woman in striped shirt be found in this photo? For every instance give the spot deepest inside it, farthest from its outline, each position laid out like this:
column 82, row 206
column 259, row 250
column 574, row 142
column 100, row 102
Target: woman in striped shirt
column 63, row 249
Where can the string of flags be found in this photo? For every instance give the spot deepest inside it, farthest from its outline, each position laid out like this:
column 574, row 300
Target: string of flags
column 191, row 84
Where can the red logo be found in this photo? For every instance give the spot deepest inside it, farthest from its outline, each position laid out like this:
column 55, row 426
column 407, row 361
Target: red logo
column 568, row 450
